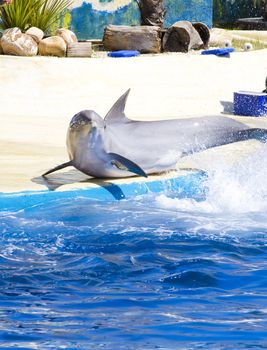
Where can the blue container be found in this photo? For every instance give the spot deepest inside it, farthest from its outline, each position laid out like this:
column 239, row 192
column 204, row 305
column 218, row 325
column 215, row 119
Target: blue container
column 250, row 103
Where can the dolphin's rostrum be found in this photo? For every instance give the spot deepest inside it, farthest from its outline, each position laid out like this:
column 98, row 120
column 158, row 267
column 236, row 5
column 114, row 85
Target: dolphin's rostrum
column 119, row 147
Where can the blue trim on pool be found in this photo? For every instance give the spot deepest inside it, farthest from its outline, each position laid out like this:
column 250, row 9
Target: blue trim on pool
column 189, row 185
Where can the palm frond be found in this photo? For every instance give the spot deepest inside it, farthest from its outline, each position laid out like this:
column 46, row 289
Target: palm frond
column 27, row 13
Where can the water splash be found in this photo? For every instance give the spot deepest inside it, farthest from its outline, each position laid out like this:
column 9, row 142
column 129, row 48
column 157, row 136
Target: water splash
column 232, row 188
column 236, row 197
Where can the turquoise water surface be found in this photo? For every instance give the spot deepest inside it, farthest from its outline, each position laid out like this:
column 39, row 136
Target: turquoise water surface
column 183, row 268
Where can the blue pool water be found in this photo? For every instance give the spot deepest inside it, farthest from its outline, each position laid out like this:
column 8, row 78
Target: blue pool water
column 168, row 270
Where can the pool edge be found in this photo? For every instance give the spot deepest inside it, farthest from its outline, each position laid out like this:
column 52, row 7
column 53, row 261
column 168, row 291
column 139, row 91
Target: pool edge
column 186, row 183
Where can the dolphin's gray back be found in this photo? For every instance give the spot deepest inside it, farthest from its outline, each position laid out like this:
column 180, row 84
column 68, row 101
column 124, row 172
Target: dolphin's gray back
column 118, row 147
column 166, row 141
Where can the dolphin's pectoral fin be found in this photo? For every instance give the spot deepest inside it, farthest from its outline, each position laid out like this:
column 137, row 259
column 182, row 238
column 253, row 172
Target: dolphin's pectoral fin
column 125, row 164
column 61, row 166
column 116, row 113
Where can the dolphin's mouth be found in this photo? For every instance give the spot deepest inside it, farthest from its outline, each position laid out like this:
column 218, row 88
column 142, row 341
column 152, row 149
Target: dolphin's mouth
column 79, row 121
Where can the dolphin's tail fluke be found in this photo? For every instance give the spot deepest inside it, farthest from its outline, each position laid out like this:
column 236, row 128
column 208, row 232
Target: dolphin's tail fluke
column 61, row 166
column 254, row 133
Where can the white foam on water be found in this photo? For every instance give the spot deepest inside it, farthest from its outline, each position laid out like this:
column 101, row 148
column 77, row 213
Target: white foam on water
column 236, row 194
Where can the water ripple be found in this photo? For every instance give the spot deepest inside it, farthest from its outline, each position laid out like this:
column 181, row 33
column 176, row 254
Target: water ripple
column 152, row 272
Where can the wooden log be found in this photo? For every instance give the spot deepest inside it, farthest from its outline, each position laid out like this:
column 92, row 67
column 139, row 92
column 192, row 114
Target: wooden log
column 152, row 12
column 181, row 37
column 203, row 32
column 79, row 49
column 145, row 39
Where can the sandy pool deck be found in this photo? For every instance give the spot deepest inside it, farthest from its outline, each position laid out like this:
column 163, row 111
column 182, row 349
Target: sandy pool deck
column 39, row 96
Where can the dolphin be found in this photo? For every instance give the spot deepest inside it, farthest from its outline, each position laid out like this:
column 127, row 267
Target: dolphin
column 116, row 146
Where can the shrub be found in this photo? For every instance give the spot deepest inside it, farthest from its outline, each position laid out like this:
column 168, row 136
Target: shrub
column 32, row 13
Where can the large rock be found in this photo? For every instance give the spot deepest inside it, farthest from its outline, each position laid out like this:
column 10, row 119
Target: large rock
column 181, row 37
column 67, row 35
column 14, row 42
column 145, row 39
column 36, row 33
column 53, row 46
column 218, row 37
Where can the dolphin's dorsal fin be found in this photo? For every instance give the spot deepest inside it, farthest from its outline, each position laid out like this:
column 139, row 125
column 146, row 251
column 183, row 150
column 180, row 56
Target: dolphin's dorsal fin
column 116, row 113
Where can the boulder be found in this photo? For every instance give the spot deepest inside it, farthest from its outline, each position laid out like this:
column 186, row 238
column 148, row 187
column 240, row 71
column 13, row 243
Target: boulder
column 145, row 39
column 67, row 35
column 52, row 46
column 36, row 33
column 219, row 37
column 14, row 42
column 181, row 37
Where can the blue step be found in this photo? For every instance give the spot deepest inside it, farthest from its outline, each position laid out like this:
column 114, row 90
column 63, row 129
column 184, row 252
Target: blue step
column 248, row 103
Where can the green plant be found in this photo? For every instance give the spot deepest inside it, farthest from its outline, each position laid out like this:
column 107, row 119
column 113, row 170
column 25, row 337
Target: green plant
column 32, row 13
column 50, row 12
column 18, row 14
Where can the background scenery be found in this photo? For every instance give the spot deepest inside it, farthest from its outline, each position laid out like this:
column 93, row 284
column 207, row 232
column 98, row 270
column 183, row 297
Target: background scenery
column 228, row 11
column 89, row 18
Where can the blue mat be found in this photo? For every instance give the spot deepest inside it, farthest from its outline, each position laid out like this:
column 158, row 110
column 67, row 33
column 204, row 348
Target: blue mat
column 223, row 52
column 124, row 53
